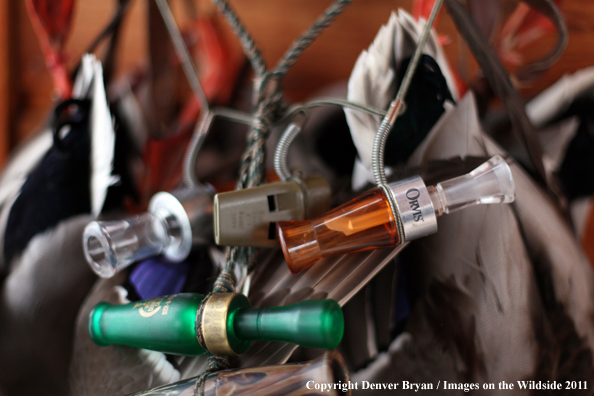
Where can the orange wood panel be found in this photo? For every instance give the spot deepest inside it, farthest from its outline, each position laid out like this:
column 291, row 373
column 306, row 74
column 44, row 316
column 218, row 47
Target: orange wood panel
column 4, row 81
column 35, row 85
column 274, row 25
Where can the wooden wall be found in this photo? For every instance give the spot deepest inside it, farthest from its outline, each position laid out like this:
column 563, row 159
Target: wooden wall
column 25, row 85
column 4, row 79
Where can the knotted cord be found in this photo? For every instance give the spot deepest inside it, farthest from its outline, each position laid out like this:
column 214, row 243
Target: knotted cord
column 269, row 109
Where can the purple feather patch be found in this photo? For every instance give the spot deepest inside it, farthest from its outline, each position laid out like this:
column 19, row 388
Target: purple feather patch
column 158, row 276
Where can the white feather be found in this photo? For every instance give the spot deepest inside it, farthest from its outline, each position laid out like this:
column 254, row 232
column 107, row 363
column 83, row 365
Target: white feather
column 102, row 142
column 372, row 80
column 84, row 78
column 557, row 98
column 22, row 162
column 89, row 83
column 372, row 83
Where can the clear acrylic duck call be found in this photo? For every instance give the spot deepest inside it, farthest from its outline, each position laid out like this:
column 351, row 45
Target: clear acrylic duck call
column 370, row 221
column 175, row 222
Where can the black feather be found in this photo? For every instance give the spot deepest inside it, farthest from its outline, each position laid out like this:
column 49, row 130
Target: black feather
column 124, row 154
column 577, row 173
column 59, row 187
column 424, row 105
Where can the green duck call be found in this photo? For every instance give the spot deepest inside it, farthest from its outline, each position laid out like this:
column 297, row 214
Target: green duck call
column 222, row 324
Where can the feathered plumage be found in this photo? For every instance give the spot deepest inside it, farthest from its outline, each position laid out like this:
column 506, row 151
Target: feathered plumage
column 374, row 79
column 557, row 98
column 38, row 304
column 46, row 202
column 504, row 291
column 563, row 118
column 102, row 138
column 338, row 278
column 75, row 173
column 501, row 84
column 96, row 370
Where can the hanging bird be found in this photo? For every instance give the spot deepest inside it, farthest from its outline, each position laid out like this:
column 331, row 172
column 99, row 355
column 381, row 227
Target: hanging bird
column 117, row 369
column 374, row 82
column 424, row 106
column 43, row 219
column 504, row 292
column 566, row 104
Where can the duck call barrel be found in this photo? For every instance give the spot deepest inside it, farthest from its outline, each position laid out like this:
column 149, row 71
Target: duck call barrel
column 363, row 223
column 228, row 324
column 164, row 324
column 389, row 215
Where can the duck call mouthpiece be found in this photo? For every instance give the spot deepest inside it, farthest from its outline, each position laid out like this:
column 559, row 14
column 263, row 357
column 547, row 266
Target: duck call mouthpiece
column 377, row 220
column 176, row 221
column 248, row 217
column 227, row 325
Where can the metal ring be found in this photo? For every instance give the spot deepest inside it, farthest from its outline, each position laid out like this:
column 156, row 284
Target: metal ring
column 395, row 212
column 214, row 324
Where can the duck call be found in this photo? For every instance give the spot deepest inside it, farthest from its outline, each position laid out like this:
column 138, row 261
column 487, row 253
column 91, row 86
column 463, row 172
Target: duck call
column 175, row 222
column 227, row 323
column 385, row 217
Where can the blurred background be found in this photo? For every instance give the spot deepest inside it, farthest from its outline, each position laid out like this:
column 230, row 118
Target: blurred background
column 44, row 283
column 26, row 86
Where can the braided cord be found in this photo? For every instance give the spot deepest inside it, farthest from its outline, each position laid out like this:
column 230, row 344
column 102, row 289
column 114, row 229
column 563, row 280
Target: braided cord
column 310, row 35
column 247, row 42
column 215, row 363
column 269, row 110
column 225, row 283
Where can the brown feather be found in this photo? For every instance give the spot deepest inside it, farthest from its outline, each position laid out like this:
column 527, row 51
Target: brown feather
column 530, row 281
column 111, row 370
column 38, row 304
